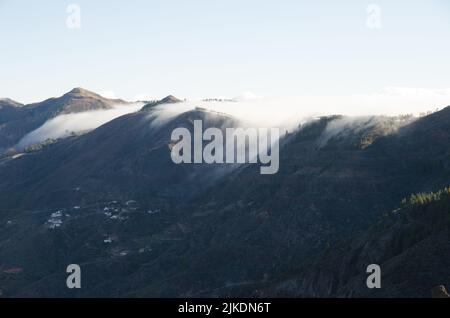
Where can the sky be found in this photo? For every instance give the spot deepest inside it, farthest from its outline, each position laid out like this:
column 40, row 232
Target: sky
column 209, row 48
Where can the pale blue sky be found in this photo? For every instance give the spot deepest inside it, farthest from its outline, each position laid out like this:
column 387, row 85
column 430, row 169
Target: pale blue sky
column 207, row 48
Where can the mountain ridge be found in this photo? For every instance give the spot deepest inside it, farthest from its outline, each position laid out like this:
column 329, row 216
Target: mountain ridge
column 170, row 99
column 18, row 121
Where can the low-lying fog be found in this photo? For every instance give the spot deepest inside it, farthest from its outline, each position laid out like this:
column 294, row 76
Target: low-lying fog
column 65, row 125
column 282, row 112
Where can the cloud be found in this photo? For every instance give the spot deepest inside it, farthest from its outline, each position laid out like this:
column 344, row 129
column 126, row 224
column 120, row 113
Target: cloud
column 108, row 94
column 344, row 126
column 253, row 111
column 65, row 125
column 411, row 91
column 143, row 97
column 247, row 96
column 288, row 112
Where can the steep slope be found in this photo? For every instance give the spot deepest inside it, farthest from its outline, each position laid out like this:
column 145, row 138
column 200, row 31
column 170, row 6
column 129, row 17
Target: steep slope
column 29, row 117
column 117, row 181
column 113, row 202
column 251, row 229
column 322, row 194
column 9, row 110
column 410, row 244
column 127, row 157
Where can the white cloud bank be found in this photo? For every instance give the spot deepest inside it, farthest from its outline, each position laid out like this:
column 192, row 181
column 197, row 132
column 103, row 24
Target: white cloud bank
column 255, row 111
column 64, row 125
column 288, row 112
column 108, row 94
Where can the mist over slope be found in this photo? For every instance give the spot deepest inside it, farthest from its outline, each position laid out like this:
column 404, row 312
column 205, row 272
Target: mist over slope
column 68, row 124
column 287, row 112
column 80, row 110
column 22, row 119
column 128, row 156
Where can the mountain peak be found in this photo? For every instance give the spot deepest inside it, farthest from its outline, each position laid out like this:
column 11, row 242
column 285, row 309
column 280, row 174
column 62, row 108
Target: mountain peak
column 9, row 102
column 166, row 100
column 76, row 101
column 169, row 100
column 80, row 91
